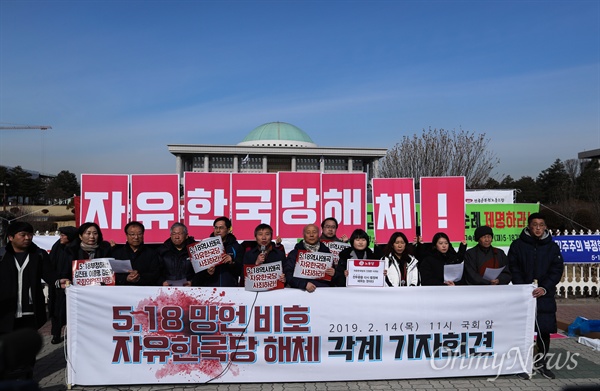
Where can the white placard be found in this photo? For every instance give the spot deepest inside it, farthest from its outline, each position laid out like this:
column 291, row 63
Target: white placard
column 365, row 272
column 206, row 253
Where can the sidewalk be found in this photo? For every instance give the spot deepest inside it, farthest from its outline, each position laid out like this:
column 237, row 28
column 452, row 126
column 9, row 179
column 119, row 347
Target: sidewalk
column 579, row 366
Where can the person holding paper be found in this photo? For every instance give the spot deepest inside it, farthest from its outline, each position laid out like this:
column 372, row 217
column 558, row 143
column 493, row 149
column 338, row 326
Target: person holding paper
column 400, row 265
column 442, row 254
column 534, row 258
column 228, row 273
column 89, row 244
column 144, row 260
column 359, row 249
column 309, row 243
column 485, row 264
column 175, row 265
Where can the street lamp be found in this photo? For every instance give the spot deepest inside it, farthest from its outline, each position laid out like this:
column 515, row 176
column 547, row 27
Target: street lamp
column 4, row 186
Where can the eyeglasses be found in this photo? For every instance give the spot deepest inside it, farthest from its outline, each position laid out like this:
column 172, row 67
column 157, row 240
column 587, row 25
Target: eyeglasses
column 133, row 235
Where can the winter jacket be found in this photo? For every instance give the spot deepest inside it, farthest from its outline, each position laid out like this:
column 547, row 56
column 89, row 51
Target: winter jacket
column 532, row 259
column 479, row 258
column 393, row 278
column 33, row 300
column 144, row 260
column 339, row 278
column 290, row 265
column 175, row 265
column 432, row 265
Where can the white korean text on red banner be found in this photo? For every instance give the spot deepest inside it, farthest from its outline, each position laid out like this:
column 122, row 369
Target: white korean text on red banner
column 254, row 201
column 443, row 207
column 155, row 203
column 105, row 201
column 345, row 198
column 394, row 207
column 207, row 196
column 299, row 202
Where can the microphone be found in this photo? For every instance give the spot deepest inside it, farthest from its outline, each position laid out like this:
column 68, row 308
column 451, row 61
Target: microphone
column 263, row 249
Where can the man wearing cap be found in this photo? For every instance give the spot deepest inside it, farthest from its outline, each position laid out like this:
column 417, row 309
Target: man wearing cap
column 484, row 256
column 57, row 301
column 22, row 267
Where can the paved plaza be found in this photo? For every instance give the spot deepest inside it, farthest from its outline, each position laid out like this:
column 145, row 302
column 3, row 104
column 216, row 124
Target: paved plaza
column 50, row 369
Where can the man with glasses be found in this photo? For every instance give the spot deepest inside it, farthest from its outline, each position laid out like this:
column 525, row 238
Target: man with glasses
column 329, row 228
column 145, row 264
column 228, row 273
column 534, row 258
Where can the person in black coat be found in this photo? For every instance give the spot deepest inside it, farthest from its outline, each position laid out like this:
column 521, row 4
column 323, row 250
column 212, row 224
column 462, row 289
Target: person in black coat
column 442, row 253
column 483, row 256
column 23, row 265
column 226, row 274
column 57, row 301
column 175, row 264
column 359, row 249
column 309, row 243
column 534, row 258
column 266, row 250
column 89, row 244
column 144, row 260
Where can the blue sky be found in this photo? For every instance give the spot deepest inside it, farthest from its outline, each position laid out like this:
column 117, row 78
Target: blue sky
column 119, row 80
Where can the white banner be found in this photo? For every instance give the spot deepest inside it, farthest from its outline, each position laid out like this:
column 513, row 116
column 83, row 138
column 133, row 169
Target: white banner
column 489, row 196
column 145, row 335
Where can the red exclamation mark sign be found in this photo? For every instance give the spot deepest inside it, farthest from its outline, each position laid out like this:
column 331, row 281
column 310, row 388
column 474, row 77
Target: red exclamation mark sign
column 442, row 210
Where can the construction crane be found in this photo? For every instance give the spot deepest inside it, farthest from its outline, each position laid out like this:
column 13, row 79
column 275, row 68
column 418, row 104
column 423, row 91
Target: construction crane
column 20, row 127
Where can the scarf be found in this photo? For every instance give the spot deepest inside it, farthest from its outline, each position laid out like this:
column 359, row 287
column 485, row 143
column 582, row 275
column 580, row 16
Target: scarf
column 313, row 248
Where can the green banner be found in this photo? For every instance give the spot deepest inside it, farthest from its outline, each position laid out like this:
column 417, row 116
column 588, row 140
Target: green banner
column 506, row 220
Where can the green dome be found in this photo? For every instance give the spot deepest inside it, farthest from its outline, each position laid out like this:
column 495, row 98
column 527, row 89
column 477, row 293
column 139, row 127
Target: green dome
column 280, row 134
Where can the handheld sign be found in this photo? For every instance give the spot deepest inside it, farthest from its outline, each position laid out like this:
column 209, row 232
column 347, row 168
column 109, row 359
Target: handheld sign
column 335, row 248
column 365, row 272
column 263, row 277
column 206, row 253
column 312, row 265
column 93, row 272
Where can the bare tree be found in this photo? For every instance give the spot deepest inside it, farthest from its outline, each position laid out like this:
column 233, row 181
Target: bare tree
column 438, row 152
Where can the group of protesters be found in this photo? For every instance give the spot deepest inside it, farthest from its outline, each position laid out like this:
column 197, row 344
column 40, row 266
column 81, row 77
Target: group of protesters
column 532, row 259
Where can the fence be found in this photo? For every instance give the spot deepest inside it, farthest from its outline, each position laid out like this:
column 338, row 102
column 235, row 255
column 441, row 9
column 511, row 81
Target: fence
column 579, row 279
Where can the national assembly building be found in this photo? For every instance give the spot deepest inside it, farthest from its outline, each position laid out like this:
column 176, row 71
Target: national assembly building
column 273, row 147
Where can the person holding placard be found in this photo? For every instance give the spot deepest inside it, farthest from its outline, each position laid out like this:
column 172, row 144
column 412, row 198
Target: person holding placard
column 401, row 267
column 485, row 264
column 265, row 250
column 359, row 249
column 228, row 273
column 89, row 244
column 144, row 260
column 309, row 243
column 432, row 267
column 176, row 267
